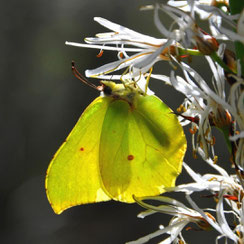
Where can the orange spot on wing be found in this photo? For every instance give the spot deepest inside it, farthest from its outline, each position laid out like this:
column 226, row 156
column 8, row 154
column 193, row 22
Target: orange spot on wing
column 130, row 157
column 82, row 149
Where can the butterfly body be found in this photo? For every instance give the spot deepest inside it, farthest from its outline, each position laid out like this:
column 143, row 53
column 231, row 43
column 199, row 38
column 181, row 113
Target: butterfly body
column 125, row 143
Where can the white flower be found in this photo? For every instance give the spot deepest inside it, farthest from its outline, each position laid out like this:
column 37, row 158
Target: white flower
column 182, row 215
column 214, row 11
column 186, row 32
column 227, row 188
column 147, row 50
column 223, row 187
column 232, row 35
column 207, row 106
column 237, row 102
column 184, row 21
column 192, row 6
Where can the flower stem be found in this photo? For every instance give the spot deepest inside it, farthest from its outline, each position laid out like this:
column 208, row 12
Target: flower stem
column 214, row 56
column 237, row 7
column 218, row 60
column 193, row 52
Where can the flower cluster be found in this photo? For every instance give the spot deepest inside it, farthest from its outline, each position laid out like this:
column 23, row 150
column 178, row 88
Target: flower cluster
column 224, row 188
column 206, row 104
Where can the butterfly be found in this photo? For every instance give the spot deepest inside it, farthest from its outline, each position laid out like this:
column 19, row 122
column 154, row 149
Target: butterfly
column 126, row 143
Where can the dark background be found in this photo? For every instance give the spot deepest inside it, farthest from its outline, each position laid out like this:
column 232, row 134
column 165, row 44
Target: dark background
column 40, row 103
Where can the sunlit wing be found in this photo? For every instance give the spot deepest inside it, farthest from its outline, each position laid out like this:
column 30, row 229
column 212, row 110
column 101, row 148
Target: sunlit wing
column 73, row 176
column 141, row 149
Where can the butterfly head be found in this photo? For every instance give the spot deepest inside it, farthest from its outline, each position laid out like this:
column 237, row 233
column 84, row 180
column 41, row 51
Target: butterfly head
column 125, row 91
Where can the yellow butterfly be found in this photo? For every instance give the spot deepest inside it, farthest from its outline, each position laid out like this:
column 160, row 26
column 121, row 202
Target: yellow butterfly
column 125, row 143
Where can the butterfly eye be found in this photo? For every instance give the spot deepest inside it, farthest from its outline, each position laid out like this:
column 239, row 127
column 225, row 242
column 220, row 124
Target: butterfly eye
column 107, row 90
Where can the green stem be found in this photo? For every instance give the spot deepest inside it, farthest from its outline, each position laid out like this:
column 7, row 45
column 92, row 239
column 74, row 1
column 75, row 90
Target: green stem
column 214, row 56
column 236, row 7
column 218, row 60
column 193, row 52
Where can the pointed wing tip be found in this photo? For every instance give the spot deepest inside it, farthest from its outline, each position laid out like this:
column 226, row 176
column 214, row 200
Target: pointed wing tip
column 57, row 211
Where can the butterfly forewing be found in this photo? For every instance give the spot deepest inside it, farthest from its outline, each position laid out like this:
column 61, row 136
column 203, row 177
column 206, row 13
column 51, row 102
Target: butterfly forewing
column 73, row 176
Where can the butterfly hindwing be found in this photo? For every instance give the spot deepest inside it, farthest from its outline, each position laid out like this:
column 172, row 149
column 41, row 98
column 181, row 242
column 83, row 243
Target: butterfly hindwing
column 141, row 149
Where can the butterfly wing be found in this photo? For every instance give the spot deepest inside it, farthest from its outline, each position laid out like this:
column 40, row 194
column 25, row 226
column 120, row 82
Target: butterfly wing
column 141, row 149
column 73, row 176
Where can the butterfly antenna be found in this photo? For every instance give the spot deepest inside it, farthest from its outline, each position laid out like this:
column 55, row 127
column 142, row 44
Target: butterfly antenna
column 80, row 77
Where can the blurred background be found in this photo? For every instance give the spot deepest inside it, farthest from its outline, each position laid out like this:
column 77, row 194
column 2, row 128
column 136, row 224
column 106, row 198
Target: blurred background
column 41, row 102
